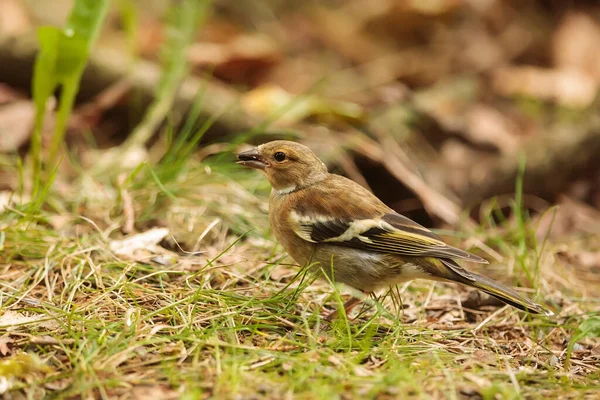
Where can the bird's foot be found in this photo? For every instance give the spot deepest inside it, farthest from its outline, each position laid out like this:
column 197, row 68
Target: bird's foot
column 348, row 306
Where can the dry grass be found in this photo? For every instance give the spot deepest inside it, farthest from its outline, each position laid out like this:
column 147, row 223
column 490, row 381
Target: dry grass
column 215, row 310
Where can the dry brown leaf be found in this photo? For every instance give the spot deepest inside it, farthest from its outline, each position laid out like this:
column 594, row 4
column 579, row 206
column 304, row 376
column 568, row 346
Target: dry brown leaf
column 245, row 58
column 8, row 94
column 150, row 36
column 59, row 384
column 8, row 198
column 283, row 272
column 589, row 259
column 570, row 217
column 568, row 86
column 14, row 18
column 487, row 125
column 142, row 246
column 362, row 371
column 268, row 100
column 4, row 342
column 16, row 124
column 153, row 392
column 401, row 17
column 115, row 157
column 12, row 320
column 478, row 380
column 576, row 44
column 5, row 200
column 53, row 12
column 485, row 357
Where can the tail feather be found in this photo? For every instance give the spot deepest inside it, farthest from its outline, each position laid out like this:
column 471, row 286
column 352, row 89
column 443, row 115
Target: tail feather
column 507, row 295
column 489, row 286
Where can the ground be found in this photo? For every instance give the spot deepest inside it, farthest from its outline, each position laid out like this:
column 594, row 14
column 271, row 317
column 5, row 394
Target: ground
column 203, row 303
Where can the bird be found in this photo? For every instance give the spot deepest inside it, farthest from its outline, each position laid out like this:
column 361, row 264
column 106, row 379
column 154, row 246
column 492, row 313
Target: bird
column 338, row 228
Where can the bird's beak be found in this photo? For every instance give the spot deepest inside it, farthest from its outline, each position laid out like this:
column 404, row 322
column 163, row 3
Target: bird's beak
column 252, row 159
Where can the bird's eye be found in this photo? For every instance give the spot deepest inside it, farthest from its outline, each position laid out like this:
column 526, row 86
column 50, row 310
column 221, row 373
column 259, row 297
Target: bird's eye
column 279, row 156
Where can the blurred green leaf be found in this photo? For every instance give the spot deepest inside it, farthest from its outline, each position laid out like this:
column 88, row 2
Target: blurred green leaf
column 588, row 328
column 86, row 19
column 60, row 62
column 22, row 364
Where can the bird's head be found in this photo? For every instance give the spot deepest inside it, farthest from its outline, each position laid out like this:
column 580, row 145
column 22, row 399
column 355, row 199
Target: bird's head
column 289, row 166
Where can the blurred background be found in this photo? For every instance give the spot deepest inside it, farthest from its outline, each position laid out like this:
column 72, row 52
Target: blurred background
column 434, row 105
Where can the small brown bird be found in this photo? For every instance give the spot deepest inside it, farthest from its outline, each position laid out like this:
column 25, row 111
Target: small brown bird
column 340, row 228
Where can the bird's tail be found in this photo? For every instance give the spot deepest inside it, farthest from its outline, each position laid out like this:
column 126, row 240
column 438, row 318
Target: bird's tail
column 506, row 294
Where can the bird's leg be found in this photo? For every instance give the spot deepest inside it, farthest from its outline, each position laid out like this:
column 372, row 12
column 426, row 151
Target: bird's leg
column 348, row 306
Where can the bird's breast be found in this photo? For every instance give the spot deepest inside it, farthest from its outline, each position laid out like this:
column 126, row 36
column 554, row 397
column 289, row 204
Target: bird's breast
column 299, row 249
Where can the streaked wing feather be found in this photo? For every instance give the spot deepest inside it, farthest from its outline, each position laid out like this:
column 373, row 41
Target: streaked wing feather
column 453, row 265
column 392, row 233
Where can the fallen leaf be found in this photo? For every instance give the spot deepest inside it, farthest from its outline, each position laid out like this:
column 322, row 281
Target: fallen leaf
column 570, row 217
column 141, row 246
column 12, row 320
column 270, row 100
column 576, row 44
column 362, row 371
column 14, row 18
column 16, row 124
column 5, row 199
column 116, row 157
column 282, row 272
column 59, row 384
column 8, row 198
column 487, row 125
column 335, row 360
column 153, row 392
column 567, row 86
column 485, row 357
column 477, row 379
column 9, row 94
column 4, row 342
column 245, row 58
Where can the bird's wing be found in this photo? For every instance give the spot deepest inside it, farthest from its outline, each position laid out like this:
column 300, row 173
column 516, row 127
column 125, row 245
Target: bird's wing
column 390, row 233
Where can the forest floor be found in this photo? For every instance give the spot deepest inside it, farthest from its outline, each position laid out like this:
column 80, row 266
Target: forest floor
column 232, row 317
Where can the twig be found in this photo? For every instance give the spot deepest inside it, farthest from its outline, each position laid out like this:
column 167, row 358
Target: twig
column 128, row 212
column 489, row 318
column 395, row 161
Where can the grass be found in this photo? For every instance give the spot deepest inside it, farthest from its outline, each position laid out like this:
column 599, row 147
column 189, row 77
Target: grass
column 217, row 310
